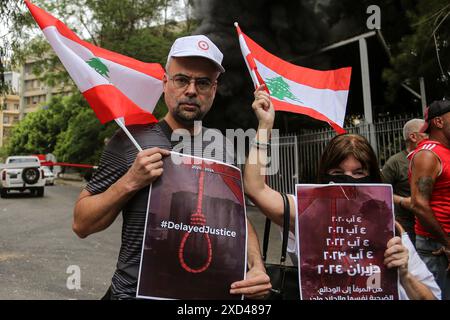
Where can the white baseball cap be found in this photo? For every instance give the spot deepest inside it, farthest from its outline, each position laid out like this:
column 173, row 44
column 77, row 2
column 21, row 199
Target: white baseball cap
column 197, row 46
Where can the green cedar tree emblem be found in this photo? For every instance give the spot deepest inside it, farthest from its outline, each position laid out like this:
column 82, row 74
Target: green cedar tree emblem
column 98, row 66
column 280, row 89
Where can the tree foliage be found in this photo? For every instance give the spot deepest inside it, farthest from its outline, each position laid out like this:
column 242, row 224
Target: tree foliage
column 10, row 18
column 38, row 131
column 68, row 128
column 81, row 142
column 425, row 52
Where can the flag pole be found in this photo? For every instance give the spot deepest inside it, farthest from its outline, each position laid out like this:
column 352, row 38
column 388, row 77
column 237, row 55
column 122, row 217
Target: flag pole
column 124, row 128
column 255, row 78
column 244, row 45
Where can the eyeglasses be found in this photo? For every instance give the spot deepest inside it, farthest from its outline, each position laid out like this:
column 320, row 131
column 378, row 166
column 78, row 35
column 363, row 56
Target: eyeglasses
column 202, row 85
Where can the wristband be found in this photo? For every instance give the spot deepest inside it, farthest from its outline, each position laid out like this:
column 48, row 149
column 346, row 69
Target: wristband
column 260, row 145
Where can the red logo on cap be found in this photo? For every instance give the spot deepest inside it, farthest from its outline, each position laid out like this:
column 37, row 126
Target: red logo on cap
column 203, row 45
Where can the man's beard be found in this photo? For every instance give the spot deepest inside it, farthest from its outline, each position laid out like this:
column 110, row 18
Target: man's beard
column 187, row 118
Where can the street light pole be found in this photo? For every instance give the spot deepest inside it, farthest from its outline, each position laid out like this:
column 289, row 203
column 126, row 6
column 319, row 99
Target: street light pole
column 367, row 98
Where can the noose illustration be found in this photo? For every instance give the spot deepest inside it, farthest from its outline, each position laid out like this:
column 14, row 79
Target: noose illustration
column 197, row 219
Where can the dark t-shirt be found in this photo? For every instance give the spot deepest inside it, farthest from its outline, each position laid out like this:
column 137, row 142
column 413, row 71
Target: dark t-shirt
column 116, row 159
column 395, row 173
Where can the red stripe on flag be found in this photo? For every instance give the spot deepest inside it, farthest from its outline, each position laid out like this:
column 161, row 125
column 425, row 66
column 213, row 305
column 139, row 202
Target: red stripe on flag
column 332, row 79
column 287, row 107
column 251, row 62
column 138, row 116
column 109, row 103
column 261, row 81
column 44, row 20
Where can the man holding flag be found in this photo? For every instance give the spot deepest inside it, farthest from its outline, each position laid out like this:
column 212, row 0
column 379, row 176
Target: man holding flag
column 123, row 177
column 126, row 90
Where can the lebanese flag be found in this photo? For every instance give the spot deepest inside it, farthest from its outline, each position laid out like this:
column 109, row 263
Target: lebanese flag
column 114, row 85
column 321, row 95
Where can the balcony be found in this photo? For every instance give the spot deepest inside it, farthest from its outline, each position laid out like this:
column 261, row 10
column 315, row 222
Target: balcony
column 10, row 124
column 35, row 92
column 11, row 112
column 31, row 108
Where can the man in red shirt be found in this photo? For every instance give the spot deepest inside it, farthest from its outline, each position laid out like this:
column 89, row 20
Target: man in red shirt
column 430, row 193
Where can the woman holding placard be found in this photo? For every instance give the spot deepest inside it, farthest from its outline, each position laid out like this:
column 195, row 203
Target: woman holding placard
column 347, row 158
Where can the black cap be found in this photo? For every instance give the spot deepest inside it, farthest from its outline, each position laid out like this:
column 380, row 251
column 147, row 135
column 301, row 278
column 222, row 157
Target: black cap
column 436, row 109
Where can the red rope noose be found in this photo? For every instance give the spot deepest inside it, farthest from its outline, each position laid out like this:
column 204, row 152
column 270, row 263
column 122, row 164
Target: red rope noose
column 197, row 219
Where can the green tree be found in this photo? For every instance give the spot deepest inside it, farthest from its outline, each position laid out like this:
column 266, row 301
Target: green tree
column 425, row 52
column 38, row 131
column 67, row 127
column 10, row 17
column 31, row 135
column 84, row 139
column 127, row 27
column 3, row 154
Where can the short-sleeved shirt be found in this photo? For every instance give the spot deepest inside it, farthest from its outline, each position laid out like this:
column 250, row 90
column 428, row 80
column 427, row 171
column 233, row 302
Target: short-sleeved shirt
column 440, row 197
column 115, row 161
column 395, row 173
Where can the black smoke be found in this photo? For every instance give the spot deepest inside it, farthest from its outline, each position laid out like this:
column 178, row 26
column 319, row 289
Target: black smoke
column 293, row 30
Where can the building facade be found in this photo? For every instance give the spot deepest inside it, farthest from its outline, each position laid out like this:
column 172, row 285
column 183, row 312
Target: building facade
column 28, row 93
column 9, row 115
column 34, row 93
column 9, row 105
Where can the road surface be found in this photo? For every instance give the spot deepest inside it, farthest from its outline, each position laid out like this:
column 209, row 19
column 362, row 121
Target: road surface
column 39, row 251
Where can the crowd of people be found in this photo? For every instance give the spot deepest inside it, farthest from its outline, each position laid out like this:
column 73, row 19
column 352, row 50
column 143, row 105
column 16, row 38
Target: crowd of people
column 420, row 176
column 349, row 158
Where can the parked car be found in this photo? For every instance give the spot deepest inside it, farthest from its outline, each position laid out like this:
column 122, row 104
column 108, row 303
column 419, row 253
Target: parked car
column 49, row 176
column 22, row 173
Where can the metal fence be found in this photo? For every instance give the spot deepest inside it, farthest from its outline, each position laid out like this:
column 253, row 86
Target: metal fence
column 299, row 155
column 287, row 162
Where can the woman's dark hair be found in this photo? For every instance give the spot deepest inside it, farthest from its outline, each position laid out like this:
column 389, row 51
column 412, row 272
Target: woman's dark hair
column 341, row 146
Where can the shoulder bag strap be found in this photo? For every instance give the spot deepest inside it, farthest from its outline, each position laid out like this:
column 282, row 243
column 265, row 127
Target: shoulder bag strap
column 266, row 239
column 286, row 219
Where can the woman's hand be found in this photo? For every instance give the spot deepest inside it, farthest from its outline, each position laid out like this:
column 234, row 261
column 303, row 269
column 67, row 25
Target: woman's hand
column 263, row 108
column 396, row 256
column 256, row 286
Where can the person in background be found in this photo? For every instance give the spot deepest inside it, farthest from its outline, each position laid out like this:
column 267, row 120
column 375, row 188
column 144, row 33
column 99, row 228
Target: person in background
column 395, row 173
column 347, row 158
column 430, row 193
